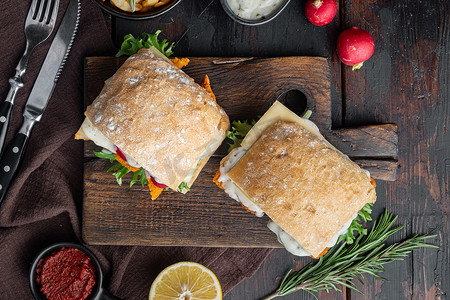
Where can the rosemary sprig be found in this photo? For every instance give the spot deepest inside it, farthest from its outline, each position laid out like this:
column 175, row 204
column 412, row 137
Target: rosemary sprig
column 344, row 262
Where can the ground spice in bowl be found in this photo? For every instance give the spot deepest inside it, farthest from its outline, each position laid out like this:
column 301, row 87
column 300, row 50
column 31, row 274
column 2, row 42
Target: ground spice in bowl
column 66, row 274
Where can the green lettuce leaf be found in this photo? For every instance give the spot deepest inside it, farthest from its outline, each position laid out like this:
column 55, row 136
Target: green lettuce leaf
column 237, row 133
column 363, row 216
column 120, row 170
column 102, row 154
column 240, row 129
column 132, row 45
column 182, row 186
column 139, row 175
column 307, row 114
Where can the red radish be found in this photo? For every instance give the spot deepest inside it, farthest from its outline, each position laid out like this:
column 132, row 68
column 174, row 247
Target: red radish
column 355, row 46
column 160, row 185
column 120, row 153
column 320, row 12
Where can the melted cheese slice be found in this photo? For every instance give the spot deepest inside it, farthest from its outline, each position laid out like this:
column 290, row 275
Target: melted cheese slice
column 231, row 188
column 95, row 135
column 275, row 113
column 157, row 53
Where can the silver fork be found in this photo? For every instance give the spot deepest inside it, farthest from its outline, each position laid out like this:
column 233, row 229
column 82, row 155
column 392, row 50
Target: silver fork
column 39, row 25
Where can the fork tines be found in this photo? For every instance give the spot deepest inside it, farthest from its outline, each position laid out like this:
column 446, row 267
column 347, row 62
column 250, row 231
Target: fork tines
column 44, row 11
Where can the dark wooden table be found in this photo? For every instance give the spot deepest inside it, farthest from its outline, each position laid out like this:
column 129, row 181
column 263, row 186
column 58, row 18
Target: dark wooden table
column 407, row 81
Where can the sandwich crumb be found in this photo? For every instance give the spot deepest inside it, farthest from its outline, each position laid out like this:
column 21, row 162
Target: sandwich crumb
column 180, row 62
column 206, row 84
column 216, row 179
column 154, row 190
column 321, row 254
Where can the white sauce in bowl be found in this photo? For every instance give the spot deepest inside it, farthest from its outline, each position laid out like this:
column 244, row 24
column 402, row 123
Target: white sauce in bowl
column 254, row 9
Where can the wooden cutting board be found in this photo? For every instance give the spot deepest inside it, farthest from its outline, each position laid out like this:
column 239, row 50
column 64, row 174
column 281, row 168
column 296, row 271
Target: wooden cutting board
column 206, row 216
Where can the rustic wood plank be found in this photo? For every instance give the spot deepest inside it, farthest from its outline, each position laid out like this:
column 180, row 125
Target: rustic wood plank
column 248, row 88
column 201, row 28
column 245, row 89
column 366, row 141
column 112, row 218
column 431, row 264
column 129, row 217
column 385, row 170
column 406, row 82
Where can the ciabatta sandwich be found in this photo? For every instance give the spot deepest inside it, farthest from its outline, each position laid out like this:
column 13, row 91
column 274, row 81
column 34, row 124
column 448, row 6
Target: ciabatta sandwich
column 156, row 121
column 286, row 169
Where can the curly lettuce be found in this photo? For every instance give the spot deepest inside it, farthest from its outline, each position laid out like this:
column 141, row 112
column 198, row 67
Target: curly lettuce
column 183, row 186
column 120, row 170
column 363, row 216
column 237, row 133
column 240, row 129
column 132, row 45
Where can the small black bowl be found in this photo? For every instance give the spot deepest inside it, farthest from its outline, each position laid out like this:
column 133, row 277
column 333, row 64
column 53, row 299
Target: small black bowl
column 242, row 21
column 97, row 293
column 115, row 11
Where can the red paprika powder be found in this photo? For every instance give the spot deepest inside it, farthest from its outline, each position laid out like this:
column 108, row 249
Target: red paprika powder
column 66, row 275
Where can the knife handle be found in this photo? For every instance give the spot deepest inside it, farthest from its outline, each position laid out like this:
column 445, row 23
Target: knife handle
column 10, row 161
column 5, row 117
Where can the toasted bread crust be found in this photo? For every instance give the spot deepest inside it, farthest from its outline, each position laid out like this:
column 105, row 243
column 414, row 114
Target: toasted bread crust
column 158, row 115
column 308, row 188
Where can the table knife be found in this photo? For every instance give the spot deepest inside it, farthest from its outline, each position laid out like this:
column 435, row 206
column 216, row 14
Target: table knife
column 40, row 94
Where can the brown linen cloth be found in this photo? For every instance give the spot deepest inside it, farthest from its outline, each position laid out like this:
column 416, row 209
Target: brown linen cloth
column 43, row 205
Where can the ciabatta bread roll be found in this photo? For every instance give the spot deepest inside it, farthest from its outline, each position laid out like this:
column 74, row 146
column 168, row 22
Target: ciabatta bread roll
column 159, row 118
column 309, row 189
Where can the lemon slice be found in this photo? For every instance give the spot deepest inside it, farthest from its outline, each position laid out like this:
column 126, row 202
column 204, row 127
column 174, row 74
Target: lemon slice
column 186, row 281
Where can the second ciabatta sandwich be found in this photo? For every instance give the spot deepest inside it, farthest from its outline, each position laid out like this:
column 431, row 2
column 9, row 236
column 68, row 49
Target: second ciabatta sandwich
column 156, row 121
column 286, row 169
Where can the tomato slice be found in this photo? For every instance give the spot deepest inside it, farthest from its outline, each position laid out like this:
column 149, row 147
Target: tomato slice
column 160, row 185
column 120, row 153
column 156, row 183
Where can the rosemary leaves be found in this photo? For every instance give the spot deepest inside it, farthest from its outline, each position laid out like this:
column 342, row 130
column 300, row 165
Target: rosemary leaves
column 345, row 262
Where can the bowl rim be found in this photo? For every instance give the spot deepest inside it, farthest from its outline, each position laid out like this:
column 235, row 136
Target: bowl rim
column 53, row 248
column 130, row 16
column 262, row 21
